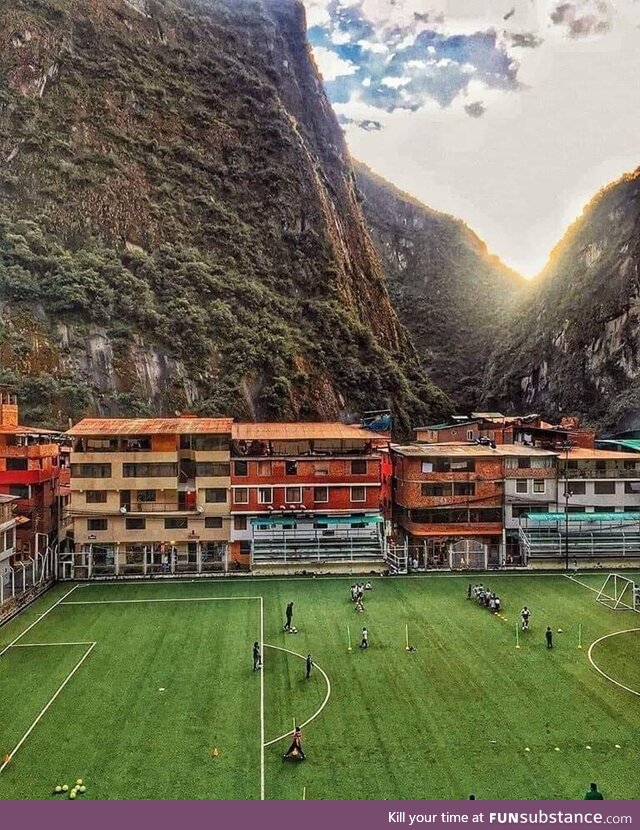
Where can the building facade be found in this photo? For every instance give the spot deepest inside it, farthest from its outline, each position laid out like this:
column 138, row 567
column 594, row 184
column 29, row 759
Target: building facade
column 149, row 496
column 30, row 471
column 7, row 543
column 308, row 493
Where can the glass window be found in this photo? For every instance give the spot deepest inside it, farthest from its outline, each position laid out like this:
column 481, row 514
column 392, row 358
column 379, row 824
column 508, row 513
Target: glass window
column 19, row 490
column 215, row 495
column 176, row 523
column 97, row 524
column 17, row 464
column 604, row 488
column 464, row 488
column 241, row 468
column 293, row 495
column 632, row 487
column 96, row 496
column 321, row 494
column 265, row 495
column 291, row 468
column 539, row 486
column 358, row 494
column 204, row 443
column 146, row 495
column 158, row 470
column 522, row 485
column 91, row 470
column 239, row 522
column 435, row 490
column 578, row 488
column 264, row 468
column 135, row 524
column 241, row 495
column 358, row 468
column 211, row 469
column 213, row 522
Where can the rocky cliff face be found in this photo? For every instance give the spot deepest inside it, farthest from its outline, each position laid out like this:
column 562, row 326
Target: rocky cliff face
column 453, row 297
column 179, row 226
column 575, row 345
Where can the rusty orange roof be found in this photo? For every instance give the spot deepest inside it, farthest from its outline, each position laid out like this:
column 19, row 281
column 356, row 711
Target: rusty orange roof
column 151, row 426
column 8, row 429
column 583, row 454
column 302, row 431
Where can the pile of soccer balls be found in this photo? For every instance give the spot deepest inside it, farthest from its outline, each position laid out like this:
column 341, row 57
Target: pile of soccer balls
column 292, row 630
column 74, row 792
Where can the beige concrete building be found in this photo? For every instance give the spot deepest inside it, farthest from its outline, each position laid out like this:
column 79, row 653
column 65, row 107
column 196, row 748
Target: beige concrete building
column 149, row 496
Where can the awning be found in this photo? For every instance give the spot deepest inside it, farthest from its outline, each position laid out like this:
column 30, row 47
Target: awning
column 632, row 444
column 551, row 518
column 289, row 521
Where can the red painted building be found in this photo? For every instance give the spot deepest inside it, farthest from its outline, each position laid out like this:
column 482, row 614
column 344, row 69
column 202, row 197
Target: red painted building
column 305, row 492
column 29, row 470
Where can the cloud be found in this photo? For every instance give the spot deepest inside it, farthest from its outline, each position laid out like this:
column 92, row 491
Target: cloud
column 524, row 40
column 331, row 65
column 475, row 110
column 582, row 18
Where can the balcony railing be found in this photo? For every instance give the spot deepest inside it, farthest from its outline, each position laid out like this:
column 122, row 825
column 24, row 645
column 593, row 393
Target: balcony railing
column 160, row 507
column 611, row 472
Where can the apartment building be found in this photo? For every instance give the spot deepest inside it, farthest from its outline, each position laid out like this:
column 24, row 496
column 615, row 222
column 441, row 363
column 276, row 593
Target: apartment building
column 308, row 493
column 149, row 496
column 7, row 543
column 29, row 470
column 448, row 500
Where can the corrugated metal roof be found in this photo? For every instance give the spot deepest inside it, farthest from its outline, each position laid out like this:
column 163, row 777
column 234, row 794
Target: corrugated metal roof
column 22, row 430
column 467, row 449
column 632, row 444
column 6, row 499
column 583, row 454
column 151, row 426
column 550, row 518
column 301, row 431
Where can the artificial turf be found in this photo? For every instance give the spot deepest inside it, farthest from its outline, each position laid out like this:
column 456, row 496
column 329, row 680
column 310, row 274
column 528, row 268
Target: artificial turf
column 450, row 718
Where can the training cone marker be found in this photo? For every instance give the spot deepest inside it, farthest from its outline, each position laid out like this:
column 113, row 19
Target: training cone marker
column 82, row 789
column 72, row 794
column 559, row 631
column 618, row 746
column 526, row 749
column 587, row 747
column 65, row 788
column 6, row 759
column 58, row 789
column 79, row 782
column 557, row 749
column 215, row 753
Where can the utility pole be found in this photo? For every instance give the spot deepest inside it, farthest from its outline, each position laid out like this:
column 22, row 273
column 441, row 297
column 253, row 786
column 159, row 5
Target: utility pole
column 566, row 446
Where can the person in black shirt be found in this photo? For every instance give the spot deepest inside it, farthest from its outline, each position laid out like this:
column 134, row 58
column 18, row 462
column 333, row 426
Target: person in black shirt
column 289, row 615
column 549, row 637
column 295, row 750
column 256, row 656
column 309, row 665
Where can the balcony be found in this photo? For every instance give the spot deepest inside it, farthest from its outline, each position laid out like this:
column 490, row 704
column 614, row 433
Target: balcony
column 610, row 472
column 160, row 507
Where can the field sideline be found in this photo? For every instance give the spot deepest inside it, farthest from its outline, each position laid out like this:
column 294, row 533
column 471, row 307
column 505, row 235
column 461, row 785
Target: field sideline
column 131, row 686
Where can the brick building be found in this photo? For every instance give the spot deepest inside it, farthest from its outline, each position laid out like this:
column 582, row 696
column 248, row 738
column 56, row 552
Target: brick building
column 308, row 493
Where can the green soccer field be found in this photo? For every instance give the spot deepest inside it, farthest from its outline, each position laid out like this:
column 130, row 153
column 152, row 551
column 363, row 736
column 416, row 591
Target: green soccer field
column 132, row 686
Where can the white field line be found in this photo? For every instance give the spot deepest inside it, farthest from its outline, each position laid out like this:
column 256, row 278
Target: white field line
column 41, row 617
column 324, row 702
column 46, row 645
column 163, row 599
column 599, row 670
column 262, row 773
column 44, row 710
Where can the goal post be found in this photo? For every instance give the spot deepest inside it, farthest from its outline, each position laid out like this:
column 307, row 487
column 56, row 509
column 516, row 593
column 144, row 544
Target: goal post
column 468, row 555
column 617, row 592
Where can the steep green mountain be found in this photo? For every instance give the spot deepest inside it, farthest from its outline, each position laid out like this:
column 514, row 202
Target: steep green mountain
column 179, row 225
column 574, row 347
column 451, row 294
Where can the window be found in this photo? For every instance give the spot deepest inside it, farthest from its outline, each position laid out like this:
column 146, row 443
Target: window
column 630, row 465
column 539, row 486
column 241, row 495
column 293, row 495
column 358, row 468
column 632, row 487
column 241, row 468
column 17, row 464
column 464, row 488
column 264, row 468
column 204, row 443
column 213, row 522
column 97, row 524
column 601, row 465
column 211, row 469
column 321, row 471
column 265, row 495
column 574, row 508
column 321, row 494
column 572, row 464
column 176, row 523
column 135, row 524
column 159, row 470
column 427, row 467
column 522, row 485
column 136, row 444
column 458, row 515
column 291, row 468
column 239, row 522
column 602, row 510
column 604, row 488
column 100, row 445
column 215, row 495
column 358, row 494
column 96, row 496
column 435, row 490
column 91, row 470
column 146, row 496
column 578, row 488
column 19, row 490
column 469, row 435
column 520, row 510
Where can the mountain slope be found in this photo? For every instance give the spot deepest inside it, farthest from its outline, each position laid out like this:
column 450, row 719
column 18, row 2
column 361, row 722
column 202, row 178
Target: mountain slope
column 575, row 345
column 453, row 297
column 178, row 223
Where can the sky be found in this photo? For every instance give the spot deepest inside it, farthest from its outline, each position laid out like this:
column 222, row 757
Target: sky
column 509, row 114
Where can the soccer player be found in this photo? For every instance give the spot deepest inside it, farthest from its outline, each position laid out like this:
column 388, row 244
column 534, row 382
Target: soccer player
column 256, row 656
column 295, row 750
column 309, row 666
column 364, row 643
column 289, row 615
column 549, row 637
column 354, row 593
column 594, row 793
column 524, row 616
column 469, row 591
column 359, row 605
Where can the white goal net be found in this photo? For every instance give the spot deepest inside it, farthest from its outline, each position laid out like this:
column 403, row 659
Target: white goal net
column 618, row 592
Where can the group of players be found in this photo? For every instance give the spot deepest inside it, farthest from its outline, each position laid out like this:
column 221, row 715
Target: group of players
column 357, row 594
column 484, row 597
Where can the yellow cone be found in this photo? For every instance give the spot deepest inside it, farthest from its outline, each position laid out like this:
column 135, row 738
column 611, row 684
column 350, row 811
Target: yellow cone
column 215, row 753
